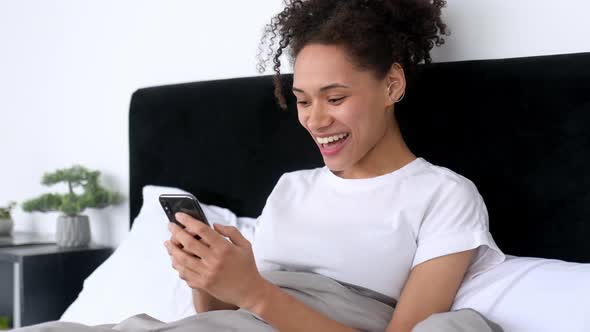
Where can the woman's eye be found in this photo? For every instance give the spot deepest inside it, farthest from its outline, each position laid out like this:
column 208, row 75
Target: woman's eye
column 333, row 100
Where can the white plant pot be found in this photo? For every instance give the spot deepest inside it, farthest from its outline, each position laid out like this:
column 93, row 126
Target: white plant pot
column 6, row 227
column 72, row 231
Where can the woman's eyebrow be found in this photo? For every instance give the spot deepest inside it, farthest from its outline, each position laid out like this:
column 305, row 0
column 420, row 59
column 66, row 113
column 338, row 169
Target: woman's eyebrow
column 327, row 87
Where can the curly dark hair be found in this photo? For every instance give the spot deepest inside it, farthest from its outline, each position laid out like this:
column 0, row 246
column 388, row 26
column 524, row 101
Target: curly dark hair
column 374, row 33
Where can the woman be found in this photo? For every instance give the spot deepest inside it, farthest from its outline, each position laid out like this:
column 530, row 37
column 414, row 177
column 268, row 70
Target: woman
column 376, row 218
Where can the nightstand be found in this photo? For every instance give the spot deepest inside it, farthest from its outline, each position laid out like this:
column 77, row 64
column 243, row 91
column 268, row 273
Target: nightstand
column 39, row 282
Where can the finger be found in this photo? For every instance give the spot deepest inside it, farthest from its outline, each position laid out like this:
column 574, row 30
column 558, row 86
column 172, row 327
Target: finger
column 189, row 243
column 192, row 278
column 175, row 241
column 181, row 258
column 233, row 234
column 198, row 227
column 179, row 217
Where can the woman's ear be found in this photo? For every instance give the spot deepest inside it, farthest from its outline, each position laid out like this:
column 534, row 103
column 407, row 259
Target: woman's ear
column 396, row 84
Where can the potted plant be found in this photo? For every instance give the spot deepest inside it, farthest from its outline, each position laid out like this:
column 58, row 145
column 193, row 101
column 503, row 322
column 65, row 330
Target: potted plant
column 73, row 228
column 6, row 219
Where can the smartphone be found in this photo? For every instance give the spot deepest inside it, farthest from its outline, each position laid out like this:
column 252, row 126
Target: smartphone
column 187, row 203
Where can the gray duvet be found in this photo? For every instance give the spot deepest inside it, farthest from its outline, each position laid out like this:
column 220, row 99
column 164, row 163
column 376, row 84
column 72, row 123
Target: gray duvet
column 357, row 308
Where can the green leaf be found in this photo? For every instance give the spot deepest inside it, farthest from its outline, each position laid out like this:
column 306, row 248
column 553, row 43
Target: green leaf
column 5, row 211
column 93, row 196
column 44, row 203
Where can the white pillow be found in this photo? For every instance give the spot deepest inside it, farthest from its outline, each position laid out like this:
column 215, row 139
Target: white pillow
column 527, row 294
column 138, row 277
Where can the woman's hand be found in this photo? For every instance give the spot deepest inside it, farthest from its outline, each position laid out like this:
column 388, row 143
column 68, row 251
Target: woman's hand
column 226, row 270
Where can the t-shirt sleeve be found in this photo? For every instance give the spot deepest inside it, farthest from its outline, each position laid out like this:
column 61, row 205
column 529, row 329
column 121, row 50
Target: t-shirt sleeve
column 457, row 220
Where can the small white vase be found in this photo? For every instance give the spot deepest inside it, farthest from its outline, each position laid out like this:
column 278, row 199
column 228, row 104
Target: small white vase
column 6, row 226
column 72, row 231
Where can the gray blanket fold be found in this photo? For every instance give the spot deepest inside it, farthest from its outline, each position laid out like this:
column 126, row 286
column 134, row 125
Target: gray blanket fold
column 343, row 304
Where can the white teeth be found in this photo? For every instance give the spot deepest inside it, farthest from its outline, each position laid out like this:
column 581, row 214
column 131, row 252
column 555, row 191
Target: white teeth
column 325, row 140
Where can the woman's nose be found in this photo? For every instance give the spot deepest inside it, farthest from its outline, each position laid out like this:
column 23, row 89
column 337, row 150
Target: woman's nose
column 318, row 118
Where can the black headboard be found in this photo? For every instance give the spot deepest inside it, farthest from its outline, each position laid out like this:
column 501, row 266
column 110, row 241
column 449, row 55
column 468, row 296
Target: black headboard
column 518, row 128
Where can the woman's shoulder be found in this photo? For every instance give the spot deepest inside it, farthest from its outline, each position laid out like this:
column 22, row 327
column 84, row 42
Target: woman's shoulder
column 297, row 180
column 434, row 180
column 437, row 174
column 307, row 175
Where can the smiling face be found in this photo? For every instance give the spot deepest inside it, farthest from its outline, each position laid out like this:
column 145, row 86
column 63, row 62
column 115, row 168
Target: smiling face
column 336, row 99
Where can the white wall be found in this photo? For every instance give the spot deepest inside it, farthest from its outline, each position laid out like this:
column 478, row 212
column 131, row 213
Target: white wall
column 68, row 68
column 489, row 29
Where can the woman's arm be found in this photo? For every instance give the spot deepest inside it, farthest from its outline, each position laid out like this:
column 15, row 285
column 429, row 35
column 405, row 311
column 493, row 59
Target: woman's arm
column 430, row 288
column 288, row 314
column 204, row 301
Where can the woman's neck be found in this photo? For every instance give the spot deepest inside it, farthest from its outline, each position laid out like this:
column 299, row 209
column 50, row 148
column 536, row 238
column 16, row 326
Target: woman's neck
column 389, row 154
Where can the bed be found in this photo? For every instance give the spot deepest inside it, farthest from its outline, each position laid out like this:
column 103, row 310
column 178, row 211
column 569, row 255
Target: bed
column 518, row 128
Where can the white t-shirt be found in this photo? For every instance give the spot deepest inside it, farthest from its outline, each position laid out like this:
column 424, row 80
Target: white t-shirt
column 371, row 232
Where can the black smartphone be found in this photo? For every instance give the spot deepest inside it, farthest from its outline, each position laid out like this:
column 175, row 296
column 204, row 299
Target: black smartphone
column 187, row 203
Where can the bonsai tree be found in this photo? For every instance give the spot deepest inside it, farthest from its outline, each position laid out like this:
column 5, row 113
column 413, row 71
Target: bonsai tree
column 72, row 204
column 5, row 211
